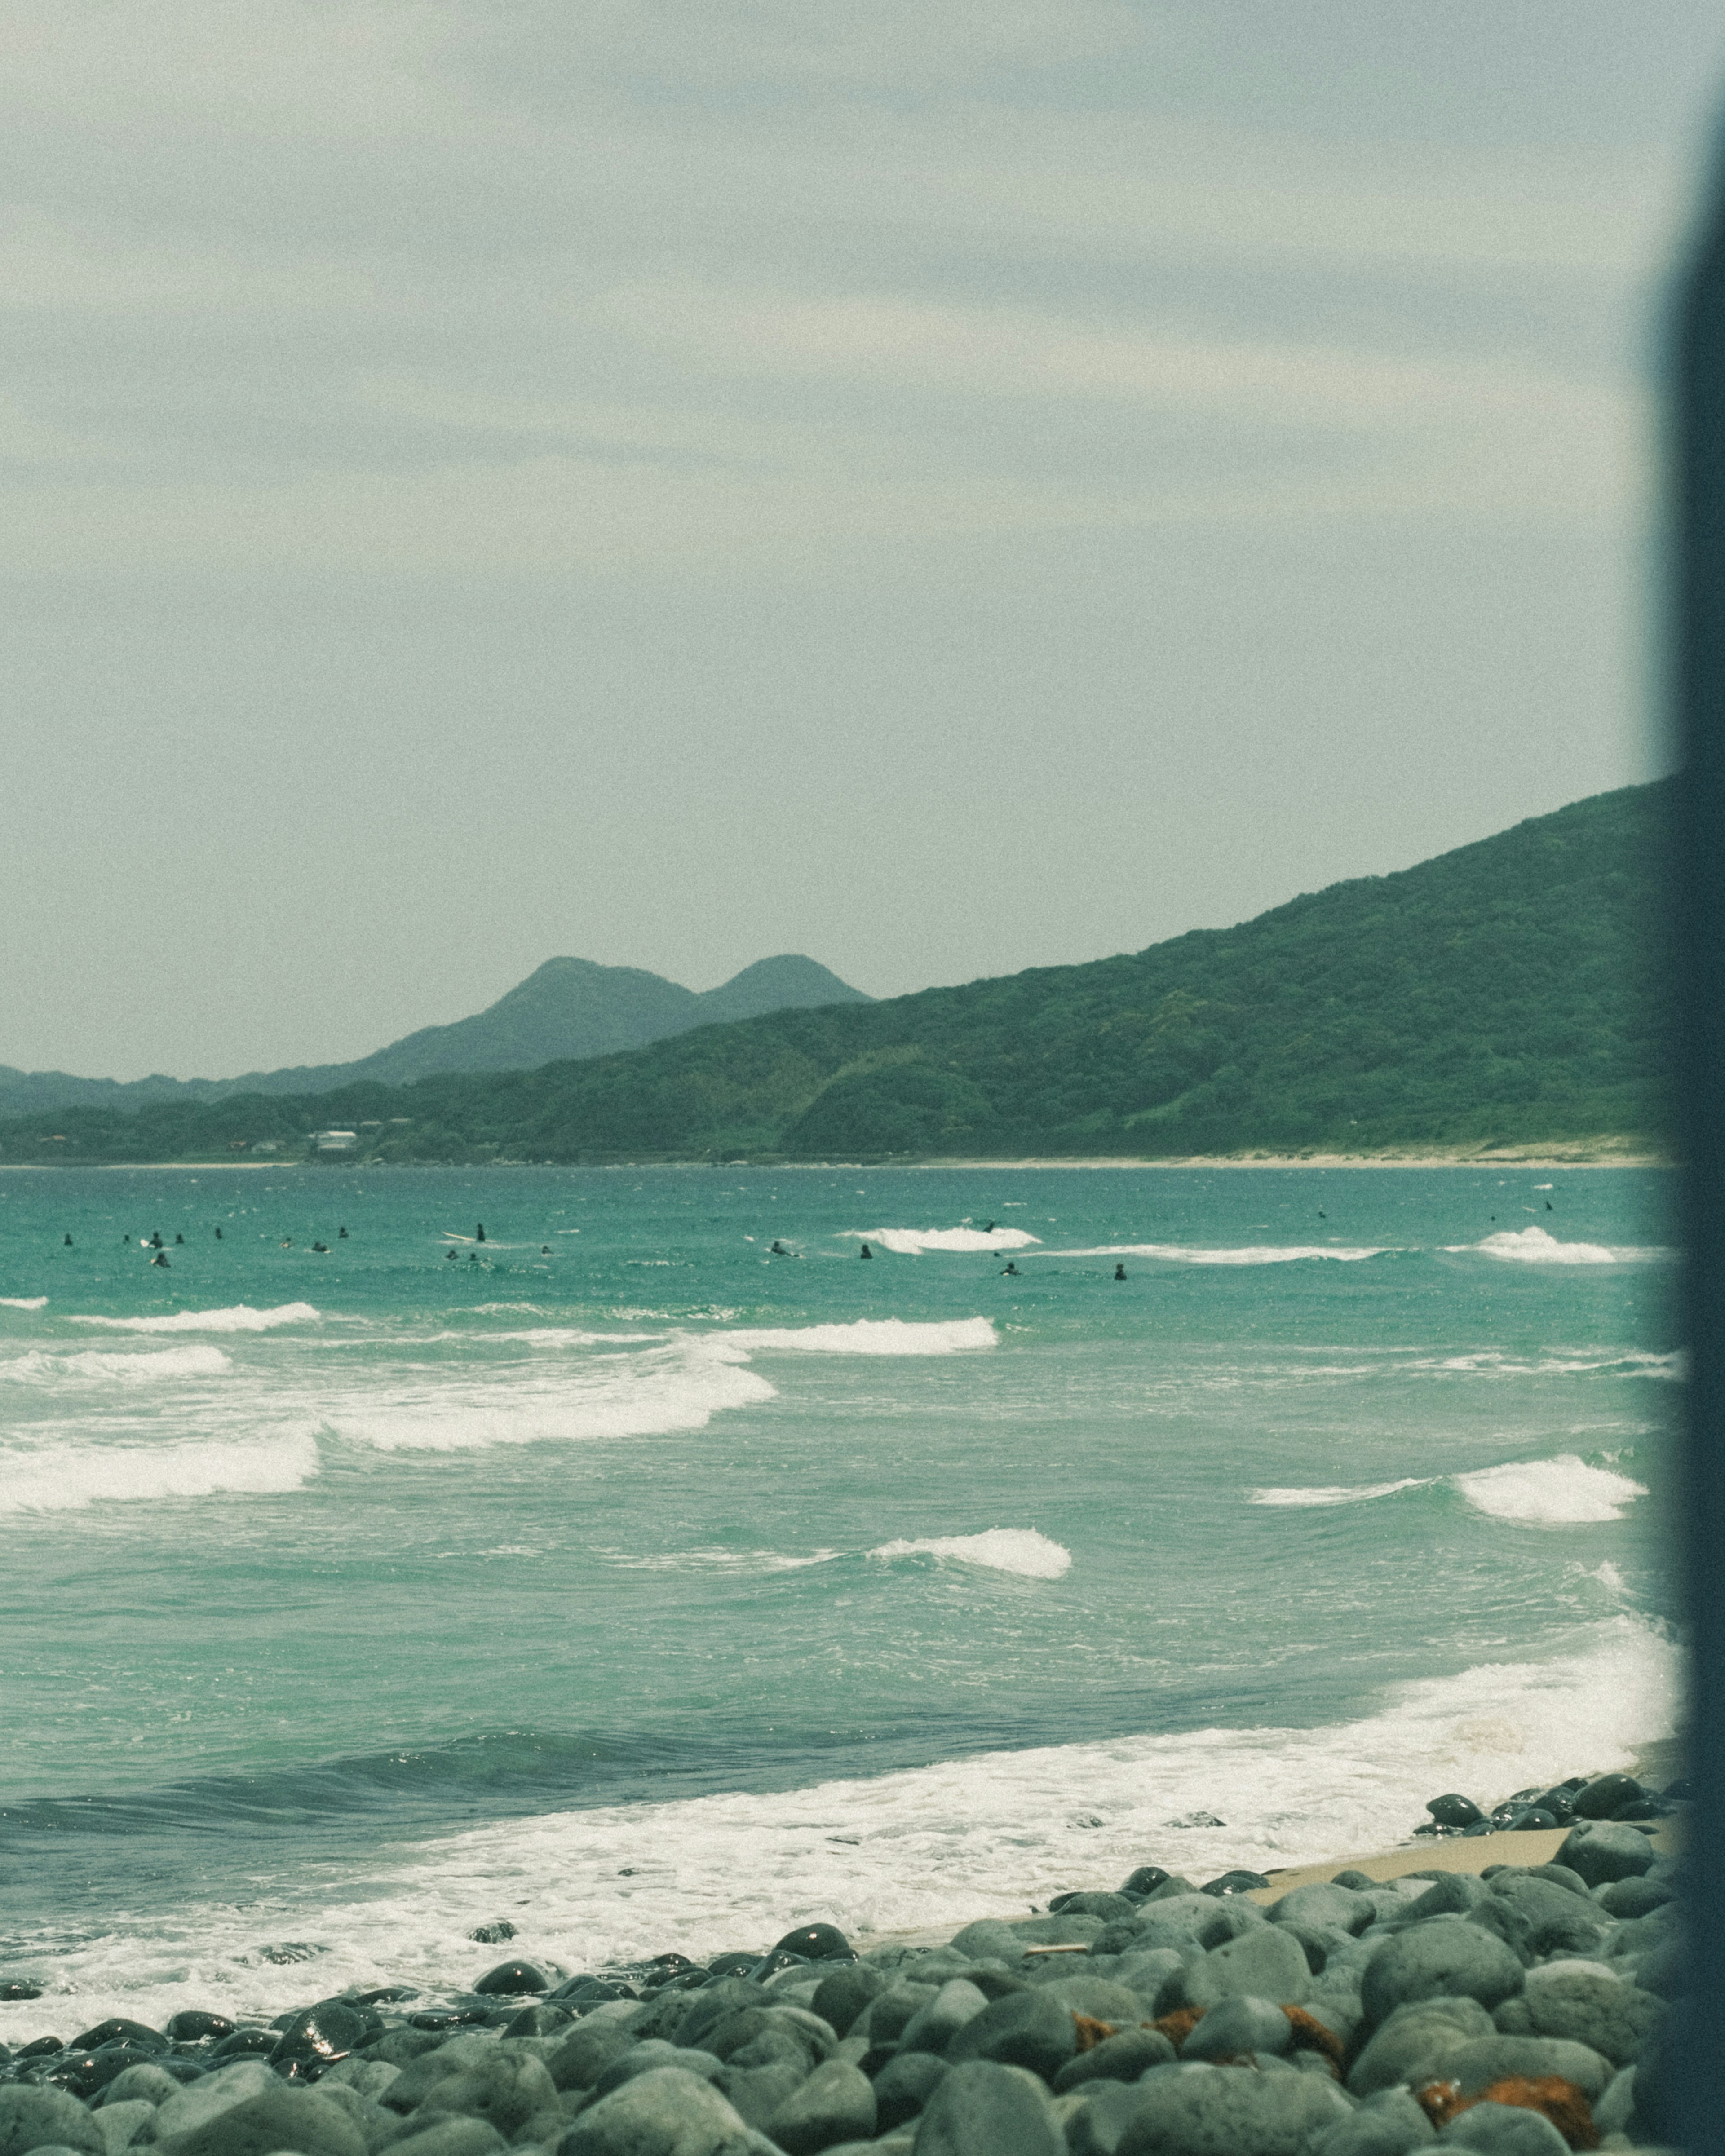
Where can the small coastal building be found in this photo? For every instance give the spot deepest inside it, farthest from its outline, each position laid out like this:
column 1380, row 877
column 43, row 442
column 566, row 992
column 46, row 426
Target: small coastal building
column 334, row 1141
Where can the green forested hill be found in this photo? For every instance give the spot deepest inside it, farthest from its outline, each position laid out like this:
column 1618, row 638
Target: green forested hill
column 1506, row 991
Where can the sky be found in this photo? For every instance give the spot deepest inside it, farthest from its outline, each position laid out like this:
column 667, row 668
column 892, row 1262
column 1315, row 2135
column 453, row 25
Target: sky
column 943, row 485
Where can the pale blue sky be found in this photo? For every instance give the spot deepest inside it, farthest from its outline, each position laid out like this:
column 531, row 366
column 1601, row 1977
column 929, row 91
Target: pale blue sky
column 945, row 487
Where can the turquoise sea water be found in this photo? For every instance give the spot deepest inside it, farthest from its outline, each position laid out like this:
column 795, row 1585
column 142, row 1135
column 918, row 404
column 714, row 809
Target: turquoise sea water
column 622, row 1578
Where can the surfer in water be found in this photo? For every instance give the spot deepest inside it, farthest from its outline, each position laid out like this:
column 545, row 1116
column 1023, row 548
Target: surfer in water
column 779, row 1250
column 219, row 1235
column 1120, row 1272
column 160, row 1259
column 69, row 1242
column 865, row 1252
column 451, row 1255
column 341, row 1234
column 989, row 1229
column 1009, row 1267
column 479, row 1233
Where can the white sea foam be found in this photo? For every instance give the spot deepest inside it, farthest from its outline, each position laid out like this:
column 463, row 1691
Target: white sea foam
column 1556, row 1492
column 23, row 1303
column 66, row 1478
column 41, row 1365
column 240, row 1318
column 870, row 1336
column 1022, row 1550
column 1251, row 1254
column 1560, row 1492
column 1533, row 1246
column 912, row 1242
column 660, row 1390
column 1359, row 1493
column 932, row 1846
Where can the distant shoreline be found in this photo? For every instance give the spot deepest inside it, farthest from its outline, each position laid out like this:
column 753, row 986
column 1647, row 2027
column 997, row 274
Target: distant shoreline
column 1455, row 1157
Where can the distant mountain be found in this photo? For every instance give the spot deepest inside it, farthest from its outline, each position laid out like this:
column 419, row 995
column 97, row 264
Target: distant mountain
column 568, row 1009
column 1512, row 992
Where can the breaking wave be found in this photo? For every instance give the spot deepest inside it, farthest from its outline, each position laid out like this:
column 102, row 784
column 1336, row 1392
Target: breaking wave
column 1252, row 1253
column 1022, row 1550
column 41, row 1367
column 870, row 1336
column 69, row 1478
column 240, row 1318
column 912, row 1242
column 1561, row 1492
column 1533, row 1246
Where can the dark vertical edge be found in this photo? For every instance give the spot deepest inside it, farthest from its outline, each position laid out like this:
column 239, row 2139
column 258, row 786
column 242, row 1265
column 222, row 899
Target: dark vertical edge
column 1695, row 2060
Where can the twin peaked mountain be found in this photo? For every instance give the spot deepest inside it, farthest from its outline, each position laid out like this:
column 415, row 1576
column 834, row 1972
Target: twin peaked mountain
column 1512, row 992
column 569, row 1008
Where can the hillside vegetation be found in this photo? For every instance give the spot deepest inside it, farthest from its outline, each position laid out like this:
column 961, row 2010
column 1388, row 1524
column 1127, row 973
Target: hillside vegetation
column 567, row 1008
column 1506, row 992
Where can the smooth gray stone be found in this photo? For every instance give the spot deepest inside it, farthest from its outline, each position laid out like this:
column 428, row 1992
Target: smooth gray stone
column 711, row 2006
column 1454, row 1895
column 1143, row 1973
column 282, row 2117
column 1173, row 1888
column 119, row 2124
column 933, row 2027
column 190, row 2106
column 983, row 2109
column 903, row 2086
column 1028, row 2029
column 835, row 2103
column 1614, row 2110
column 1446, row 1957
column 145, row 2081
column 1503, row 2130
column 1488, row 2058
column 1238, row 2025
column 420, row 2076
column 583, row 2055
column 1325, row 1906
column 1121, row 2058
column 665, row 2113
column 1097, row 1998
column 843, row 1996
column 375, row 2125
column 1266, row 1962
column 1587, row 2004
column 1152, row 1934
column 647, row 2056
column 1638, row 1895
column 1389, row 2124
column 1095, row 2129
column 988, row 1939
column 369, row 2077
column 452, row 2135
column 754, row 2092
column 743, row 2030
column 1108, row 1907
column 506, row 2092
column 1336, row 2005
column 400, row 2047
column 885, row 2019
column 1211, row 1919
column 1224, row 2111
column 1601, row 1852
column 1413, row 2044
column 1558, row 1921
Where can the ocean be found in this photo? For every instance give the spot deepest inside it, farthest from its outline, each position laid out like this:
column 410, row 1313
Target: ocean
column 621, row 1578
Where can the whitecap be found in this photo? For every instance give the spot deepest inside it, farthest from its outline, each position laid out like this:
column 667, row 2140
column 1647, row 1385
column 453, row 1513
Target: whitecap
column 1022, row 1550
column 912, row 1242
column 42, row 1366
column 870, row 1336
column 1534, row 1246
column 1251, row 1254
column 1359, row 1493
column 64, row 1478
column 241, row 1317
column 23, row 1303
column 1560, row 1492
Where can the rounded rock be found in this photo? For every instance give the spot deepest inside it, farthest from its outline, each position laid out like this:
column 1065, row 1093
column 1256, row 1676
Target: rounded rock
column 1602, row 1852
column 1216, row 2111
column 903, row 2086
column 1445, row 1958
column 1240, row 2025
column 1503, row 2130
column 37, row 2117
column 816, row 1943
column 983, row 2108
column 1026, row 2029
column 1119, row 2058
column 836, row 2103
column 510, row 1979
